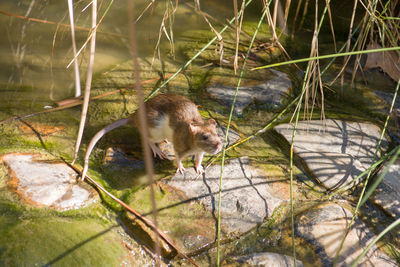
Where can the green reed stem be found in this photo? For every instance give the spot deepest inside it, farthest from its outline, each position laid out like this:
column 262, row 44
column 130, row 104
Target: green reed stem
column 381, row 234
column 387, row 49
column 226, row 139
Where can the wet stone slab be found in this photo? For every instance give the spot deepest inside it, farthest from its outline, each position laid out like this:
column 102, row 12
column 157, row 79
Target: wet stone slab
column 387, row 195
column 270, row 93
column 46, row 184
column 247, row 196
column 265, row 259
column 325, row 227
column 334, row 151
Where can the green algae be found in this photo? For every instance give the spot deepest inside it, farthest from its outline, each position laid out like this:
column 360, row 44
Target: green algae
column 60, row 242
column 177, row 216
column 191, row 41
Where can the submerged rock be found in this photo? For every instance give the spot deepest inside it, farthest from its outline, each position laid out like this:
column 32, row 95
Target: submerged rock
column 247, row 195
column 265, row 259
column 46, row 184
column 325, row 228
column 334, row 151
column 388, row 98
column 387, row 193
column 394, row 132
column 116, row 157
column 270, row 93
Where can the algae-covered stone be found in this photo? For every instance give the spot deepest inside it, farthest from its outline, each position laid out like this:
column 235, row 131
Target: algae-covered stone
column 58, row 241
column 47, row 184
column 187, row 206
column 334, row 151
column 186, row 223
column 191, row 42
column 247, row 195
column 264, row 259
column 267, row 88
column 325, row 227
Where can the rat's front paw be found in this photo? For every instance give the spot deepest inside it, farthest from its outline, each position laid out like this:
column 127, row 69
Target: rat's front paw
column 180, row 168
column 199, row 169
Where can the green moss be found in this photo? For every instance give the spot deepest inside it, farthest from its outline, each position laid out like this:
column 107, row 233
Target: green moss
column 176, row 216
column 190, row 42
column 59, row 242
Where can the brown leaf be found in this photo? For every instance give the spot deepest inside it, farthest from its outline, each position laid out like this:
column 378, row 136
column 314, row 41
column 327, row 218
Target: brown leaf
column 388, row 62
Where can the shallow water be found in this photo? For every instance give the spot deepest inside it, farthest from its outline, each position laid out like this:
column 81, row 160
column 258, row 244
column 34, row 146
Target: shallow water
column 34, row 55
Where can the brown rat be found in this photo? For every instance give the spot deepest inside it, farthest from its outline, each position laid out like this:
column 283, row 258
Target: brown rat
column 174, row 118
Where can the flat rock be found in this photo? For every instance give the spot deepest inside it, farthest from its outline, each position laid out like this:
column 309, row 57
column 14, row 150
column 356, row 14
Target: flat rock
column 248, row 197
column 387, row 193
column 334, row 151
column 46, row 184
column 325, row 227
column 270, row 93
column 265, row 259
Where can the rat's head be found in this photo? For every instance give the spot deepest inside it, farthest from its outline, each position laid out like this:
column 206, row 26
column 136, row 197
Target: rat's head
column 205, row 137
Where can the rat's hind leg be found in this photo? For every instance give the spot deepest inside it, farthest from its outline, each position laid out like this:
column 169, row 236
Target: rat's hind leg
column 157, row 151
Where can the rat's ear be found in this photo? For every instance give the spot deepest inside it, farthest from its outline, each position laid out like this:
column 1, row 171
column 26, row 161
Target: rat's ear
column 212, row 122
column 192, row 128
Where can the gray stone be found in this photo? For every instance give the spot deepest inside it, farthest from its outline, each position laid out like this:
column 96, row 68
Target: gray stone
column 387, row 193
column 325, row 227
column 247, row 196
column 335, row 151
column 46, row 184
column 233, row 136
column 270, row 93
column 266, row 259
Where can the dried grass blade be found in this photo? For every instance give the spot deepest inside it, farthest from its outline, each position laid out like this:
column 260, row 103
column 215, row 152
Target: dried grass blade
column 76, row 65
column 143, row 128
column 88, row 81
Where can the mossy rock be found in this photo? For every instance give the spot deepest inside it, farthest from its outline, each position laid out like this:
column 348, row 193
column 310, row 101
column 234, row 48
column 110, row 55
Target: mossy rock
column 193, row 41
column 186, row 223
column 60, row 242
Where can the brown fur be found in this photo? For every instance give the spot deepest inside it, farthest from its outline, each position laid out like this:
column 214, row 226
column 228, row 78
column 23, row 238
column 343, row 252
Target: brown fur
column 186, row 122
column 190, row 134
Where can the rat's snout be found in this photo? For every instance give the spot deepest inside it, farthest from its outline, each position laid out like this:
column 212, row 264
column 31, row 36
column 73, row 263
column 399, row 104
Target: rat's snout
column 218, row 147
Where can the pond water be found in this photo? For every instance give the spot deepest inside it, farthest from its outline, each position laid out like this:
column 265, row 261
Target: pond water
column 34, row 55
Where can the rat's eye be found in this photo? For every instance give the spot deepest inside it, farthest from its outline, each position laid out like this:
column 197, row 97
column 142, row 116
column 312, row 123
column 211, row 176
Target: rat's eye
column 205, row 136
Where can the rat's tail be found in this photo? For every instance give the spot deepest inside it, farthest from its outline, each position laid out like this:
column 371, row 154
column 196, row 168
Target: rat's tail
column 96, row 138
